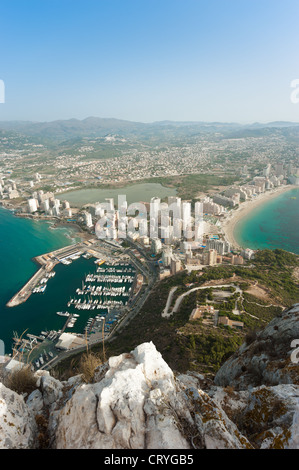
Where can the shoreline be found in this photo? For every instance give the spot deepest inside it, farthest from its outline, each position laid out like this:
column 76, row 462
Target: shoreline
column 54, row 222
column 78, row 232
column 229, row 223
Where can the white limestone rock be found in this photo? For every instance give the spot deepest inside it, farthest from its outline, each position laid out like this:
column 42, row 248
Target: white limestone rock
column 35, row 403
column 116, row 416
column 139, row 404
column 17, row 423
column 271, row 413
column 51, row 389
column 39, row 374
column 268, row 414
column 215, row 429
column 267, row 359
column 293, row 442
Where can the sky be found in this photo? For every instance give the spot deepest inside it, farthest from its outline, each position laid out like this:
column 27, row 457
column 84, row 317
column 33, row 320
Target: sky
column 149, row 60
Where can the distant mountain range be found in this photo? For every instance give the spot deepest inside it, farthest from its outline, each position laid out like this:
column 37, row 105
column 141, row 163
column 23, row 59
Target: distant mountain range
column 92, row 127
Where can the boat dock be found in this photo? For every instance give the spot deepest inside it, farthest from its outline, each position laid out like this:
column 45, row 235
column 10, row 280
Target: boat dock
column 28, row 288
column 47, row 262
column 92, row 248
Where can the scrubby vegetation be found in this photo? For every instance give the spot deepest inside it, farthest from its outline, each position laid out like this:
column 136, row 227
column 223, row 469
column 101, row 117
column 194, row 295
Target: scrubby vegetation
column 88, row 364
column 200, row 346
column 21, row 380
column 188, row 186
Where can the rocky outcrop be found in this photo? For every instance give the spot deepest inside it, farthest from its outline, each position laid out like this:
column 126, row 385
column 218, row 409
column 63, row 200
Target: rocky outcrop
column 268, row 416
column 18, row 429
column 140, row 404
column 137, row 402
column 266, row 357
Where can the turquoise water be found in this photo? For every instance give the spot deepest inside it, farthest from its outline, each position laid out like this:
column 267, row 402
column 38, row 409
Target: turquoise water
column 275, row 224
column 20, row 240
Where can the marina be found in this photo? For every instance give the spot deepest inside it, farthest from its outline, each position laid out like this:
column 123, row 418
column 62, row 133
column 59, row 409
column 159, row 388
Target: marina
column 84, row 290
column 105, row 293
column 107, row 290
column 48, row 261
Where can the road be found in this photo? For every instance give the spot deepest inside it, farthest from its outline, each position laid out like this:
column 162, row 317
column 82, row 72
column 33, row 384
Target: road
column 137, row 304
column 168, row 303
column 180, row 299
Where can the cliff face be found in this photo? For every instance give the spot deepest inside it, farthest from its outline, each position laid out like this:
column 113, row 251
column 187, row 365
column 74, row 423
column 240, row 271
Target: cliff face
column 267, row 357
column 137, row 402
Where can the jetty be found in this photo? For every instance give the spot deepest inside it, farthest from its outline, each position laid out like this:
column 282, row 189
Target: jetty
column 47, row 262
column 25, row 292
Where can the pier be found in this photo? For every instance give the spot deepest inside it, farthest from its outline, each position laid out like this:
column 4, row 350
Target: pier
column 47, row 262
column 114, row 293
column 27, row 289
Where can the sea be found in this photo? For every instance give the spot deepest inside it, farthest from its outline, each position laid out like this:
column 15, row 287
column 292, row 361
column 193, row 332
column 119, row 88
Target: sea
column 20, row 240
column 273, row 224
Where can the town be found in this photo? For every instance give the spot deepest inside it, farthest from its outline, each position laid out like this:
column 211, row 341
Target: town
column 157, row 237
column 171, row 250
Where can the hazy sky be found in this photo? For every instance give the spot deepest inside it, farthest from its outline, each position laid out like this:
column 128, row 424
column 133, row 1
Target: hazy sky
column 149, row 60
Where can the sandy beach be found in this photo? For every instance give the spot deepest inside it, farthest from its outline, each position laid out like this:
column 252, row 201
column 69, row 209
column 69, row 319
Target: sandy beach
column 229, row 223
